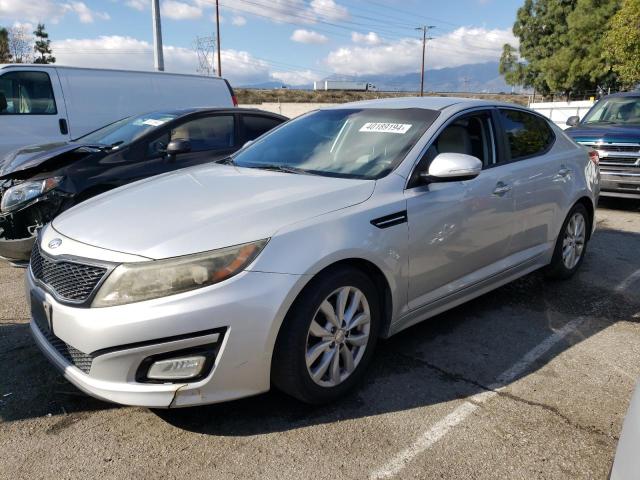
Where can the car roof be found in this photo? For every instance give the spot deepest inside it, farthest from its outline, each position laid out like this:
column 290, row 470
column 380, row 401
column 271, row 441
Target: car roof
column 428, row 103
column 181, row 112
column 634, row 93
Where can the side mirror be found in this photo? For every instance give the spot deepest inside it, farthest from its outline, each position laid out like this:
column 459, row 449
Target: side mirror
column 452, row 167
column 247, row 143
column 573, row 120
column 178, row 146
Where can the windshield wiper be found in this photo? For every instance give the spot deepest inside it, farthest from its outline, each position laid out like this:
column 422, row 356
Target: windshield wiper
column 226, row 160
column 282, row 168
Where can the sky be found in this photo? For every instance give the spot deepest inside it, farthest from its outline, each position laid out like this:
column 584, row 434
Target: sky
column 289, row 41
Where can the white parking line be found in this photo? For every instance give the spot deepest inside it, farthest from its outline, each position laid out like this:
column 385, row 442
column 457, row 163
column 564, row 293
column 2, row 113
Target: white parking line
column 627, row 282
column 440, row 429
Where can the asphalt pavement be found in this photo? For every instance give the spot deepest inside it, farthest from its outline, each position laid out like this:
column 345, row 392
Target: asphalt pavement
column 530, row 381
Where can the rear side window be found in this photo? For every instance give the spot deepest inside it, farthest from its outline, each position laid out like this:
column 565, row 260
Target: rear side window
column 254, row 126
column 26, row 93
column 527, row 135
column 208, row 133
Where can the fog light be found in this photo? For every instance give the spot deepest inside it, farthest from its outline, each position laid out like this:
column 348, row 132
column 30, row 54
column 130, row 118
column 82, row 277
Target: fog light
column 177, row 368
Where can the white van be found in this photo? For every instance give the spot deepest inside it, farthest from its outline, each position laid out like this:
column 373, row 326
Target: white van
column 49, row 103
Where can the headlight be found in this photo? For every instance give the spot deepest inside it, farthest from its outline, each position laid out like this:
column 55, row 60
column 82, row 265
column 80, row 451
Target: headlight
column 134, row 282
column 25, row 192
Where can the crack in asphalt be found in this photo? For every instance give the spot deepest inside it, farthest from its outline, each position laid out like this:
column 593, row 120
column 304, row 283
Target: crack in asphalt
column 457, row 377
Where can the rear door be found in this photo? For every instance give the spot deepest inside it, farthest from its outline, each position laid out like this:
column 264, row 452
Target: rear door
column 33, row 109
column 544, row 179
column 459, row 231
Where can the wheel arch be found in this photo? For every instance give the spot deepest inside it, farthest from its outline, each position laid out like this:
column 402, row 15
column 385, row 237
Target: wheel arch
column 588, row 204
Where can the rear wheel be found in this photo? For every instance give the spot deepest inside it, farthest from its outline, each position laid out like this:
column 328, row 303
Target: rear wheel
column 571, row 244
column 328, row 337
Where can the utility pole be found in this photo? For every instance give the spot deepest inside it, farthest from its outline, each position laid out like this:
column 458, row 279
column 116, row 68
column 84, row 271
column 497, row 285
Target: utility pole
column 218, row 40
column 158, row 58
column 424, row 29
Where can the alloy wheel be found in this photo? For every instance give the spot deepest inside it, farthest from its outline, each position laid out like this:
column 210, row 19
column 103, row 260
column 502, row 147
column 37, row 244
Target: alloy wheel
column 574, row 240
column 338, row 336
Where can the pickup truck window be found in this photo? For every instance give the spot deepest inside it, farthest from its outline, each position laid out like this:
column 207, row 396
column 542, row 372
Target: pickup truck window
column 26, row 93
column 615, row 110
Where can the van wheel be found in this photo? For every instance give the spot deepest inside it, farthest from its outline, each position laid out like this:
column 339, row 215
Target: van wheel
column 328, row 337
column 571, row 244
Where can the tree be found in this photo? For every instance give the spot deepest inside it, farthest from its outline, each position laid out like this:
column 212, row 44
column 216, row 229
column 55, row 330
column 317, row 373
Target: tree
column 560, row 45
column 20, row 44
column 622, row 43
column 42, row 46
column 5, row 54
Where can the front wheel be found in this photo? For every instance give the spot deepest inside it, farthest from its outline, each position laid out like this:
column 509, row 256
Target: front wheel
column 571, row 244
column 328, row 337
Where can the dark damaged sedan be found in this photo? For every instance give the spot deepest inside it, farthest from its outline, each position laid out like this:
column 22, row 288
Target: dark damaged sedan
column 39, row 182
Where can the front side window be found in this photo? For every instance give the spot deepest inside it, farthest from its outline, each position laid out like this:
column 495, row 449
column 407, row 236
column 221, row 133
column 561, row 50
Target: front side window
column 350, row 143
column 127, row 130
column 26, row 93
column 615, row 110
column 527, row 135
column 208, row 133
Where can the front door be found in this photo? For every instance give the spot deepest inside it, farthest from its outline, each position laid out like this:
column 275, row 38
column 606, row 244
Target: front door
column 459, row 231
column 32, row 109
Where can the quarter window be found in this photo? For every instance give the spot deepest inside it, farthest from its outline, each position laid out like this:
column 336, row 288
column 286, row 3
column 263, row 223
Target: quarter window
column 527, row 135
column 26, row 93
column 254, row 126
column 208, row 133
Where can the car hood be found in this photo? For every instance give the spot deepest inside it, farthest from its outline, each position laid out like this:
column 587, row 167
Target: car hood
column 31, row 157
column 205, row 208
column 605, row 132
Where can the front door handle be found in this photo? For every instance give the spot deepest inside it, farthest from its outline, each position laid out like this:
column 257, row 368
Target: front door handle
column 501, row 189
column 64, row 129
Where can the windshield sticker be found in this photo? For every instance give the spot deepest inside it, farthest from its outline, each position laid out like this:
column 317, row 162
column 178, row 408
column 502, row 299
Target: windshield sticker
column 379, row 127
column 152, row 122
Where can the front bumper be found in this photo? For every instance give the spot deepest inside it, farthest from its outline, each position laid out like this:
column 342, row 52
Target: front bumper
column 17, row 250
column 618, row 183
column 240, row 316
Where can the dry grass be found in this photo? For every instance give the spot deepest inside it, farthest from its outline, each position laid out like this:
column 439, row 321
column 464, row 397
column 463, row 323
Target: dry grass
column 251, row 96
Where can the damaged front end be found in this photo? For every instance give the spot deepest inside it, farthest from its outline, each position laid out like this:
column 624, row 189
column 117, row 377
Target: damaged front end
column 26, row 206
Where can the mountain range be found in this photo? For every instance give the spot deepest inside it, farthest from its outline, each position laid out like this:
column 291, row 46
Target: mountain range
column 476, row 77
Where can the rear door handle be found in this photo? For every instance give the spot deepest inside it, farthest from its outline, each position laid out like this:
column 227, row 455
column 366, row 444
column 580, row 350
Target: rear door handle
column 501, row 189
column 564, row 171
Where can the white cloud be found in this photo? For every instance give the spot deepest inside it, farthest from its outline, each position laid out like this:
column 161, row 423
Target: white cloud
column 308, row 36
column 278, row 11
column 137, row 4
column 180, row 10
column 239, row 21
column 295, row 78
column 47, row 11
column 459, row 47
column 371, row 38
column 329, row 9
column 132, row 54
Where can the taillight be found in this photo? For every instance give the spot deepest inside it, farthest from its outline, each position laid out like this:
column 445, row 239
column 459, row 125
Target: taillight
column 235, row 101
column 594, row 157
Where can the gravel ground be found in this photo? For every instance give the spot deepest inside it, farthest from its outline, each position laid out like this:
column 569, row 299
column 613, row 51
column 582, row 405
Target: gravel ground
column 433, row 404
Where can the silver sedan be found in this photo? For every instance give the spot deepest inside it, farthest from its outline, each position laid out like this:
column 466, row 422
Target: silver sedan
column 285, row 263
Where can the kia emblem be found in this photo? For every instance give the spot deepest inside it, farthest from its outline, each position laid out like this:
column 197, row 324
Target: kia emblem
column 55, row 243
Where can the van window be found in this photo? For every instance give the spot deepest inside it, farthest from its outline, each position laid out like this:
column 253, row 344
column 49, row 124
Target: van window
column 254, row 126
column 26, row 93
column 208, row 133
column 527, row 135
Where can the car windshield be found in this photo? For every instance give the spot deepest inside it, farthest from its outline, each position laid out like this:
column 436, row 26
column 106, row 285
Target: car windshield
column 126, row 130
column 350, row 143
column 615, row 110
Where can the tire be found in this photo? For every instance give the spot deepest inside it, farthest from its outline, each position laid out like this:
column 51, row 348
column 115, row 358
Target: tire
column 297, row 341
column 560, row 268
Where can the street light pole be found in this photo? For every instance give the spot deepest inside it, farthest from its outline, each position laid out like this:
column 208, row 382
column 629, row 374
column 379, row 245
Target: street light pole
column 158, row 57
column 424, row 29
column 218, row 41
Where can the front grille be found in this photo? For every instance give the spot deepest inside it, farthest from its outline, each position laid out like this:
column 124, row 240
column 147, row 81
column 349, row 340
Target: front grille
column 69, row 281
column 617, row 148
column 72, row 355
